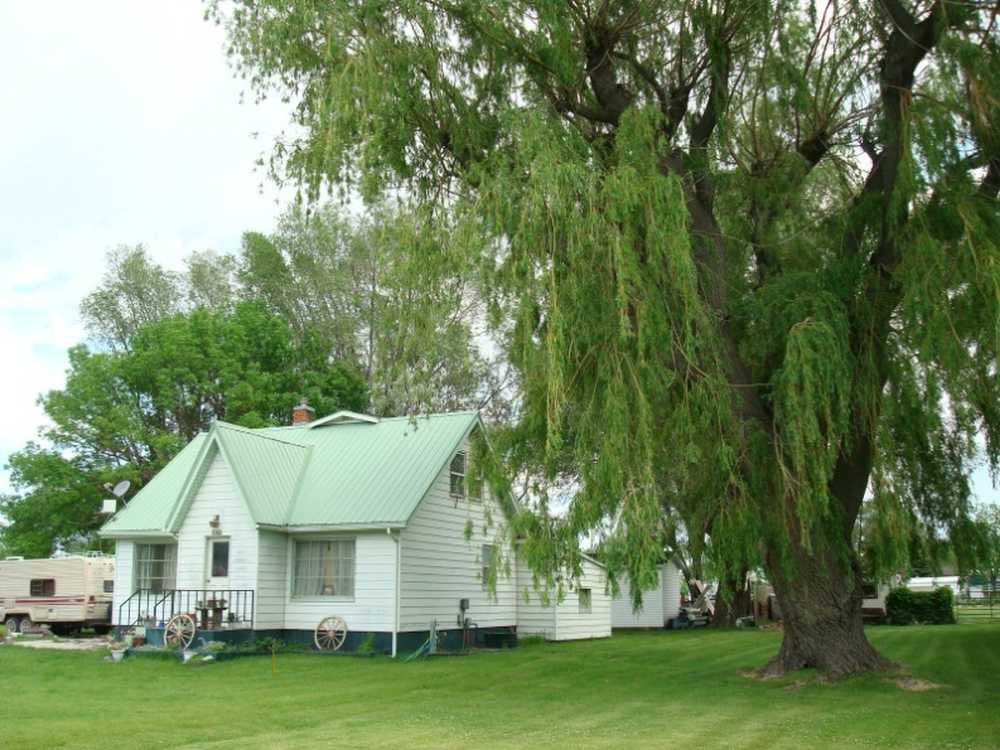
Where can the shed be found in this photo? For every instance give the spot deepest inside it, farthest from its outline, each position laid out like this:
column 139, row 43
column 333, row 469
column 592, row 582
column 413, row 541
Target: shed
column 584, row 612
column 660, row 604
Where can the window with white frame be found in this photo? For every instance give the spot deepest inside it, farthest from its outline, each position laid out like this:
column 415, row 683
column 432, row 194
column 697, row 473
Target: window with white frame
column 323, row 567
column 458, row 475
column 486, row 560
column 583, row 595
column 156, row 566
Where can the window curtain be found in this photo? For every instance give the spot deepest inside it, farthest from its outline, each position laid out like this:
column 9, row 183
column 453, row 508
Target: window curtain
column 155, row 566
column 324, row 568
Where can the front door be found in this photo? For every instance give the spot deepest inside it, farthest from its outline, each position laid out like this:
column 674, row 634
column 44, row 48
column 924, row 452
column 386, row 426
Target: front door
column 217, row 564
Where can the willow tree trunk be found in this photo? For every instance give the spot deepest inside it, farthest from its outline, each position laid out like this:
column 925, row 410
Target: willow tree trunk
column 820, row 598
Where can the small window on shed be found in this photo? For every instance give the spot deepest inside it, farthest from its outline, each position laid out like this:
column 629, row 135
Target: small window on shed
column 43, row 587
column 486, row 559
column 109, row 587
column 458, row 475
column 584, row 597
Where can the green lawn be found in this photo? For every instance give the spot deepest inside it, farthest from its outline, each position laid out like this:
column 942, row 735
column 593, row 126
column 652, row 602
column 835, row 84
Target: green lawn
column 645, row 690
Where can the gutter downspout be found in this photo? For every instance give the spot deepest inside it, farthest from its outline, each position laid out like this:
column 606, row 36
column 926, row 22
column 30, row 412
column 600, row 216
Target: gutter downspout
column 395, row 616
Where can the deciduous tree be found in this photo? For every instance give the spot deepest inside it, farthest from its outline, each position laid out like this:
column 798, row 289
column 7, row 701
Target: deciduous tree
column 755, row 242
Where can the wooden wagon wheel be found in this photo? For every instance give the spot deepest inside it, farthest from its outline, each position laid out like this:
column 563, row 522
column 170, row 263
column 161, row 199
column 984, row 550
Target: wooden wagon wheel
column 180, row 631
column 330, row 633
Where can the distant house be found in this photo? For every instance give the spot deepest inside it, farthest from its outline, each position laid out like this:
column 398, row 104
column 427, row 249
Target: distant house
column 929, row 583
column 660, row 604
column 273, row 531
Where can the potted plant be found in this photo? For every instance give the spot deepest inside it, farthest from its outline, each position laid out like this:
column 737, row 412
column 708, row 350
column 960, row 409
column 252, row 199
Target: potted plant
column 118, row 650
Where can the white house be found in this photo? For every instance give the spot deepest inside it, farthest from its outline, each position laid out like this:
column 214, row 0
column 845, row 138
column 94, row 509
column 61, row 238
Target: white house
column 660, row 604
column 583, row 612
column 929, row 583
column 272, row 531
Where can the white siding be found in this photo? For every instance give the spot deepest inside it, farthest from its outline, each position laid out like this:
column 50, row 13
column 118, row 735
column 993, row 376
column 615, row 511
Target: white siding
column 671, row 579
column 372, row 608
column 124, row 573
column 571, row 623
column 651, row 615
column 440, row 566
column 533, row 618
column 272, row 580
column 219, row 496
column 564, row 621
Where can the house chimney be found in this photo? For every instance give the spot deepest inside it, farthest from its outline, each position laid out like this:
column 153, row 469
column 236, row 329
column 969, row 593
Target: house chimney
column 303, row 413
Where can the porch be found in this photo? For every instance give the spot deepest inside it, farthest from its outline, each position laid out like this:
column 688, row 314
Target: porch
column 211, row 610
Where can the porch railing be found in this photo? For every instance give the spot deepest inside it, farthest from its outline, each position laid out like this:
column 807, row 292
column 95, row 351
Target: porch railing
column 213, row 609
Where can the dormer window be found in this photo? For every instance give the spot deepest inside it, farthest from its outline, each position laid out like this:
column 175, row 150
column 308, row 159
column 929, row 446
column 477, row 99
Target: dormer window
column 458, row 475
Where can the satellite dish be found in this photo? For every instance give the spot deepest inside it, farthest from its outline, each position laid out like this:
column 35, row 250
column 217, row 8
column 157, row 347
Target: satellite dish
column 121, row 488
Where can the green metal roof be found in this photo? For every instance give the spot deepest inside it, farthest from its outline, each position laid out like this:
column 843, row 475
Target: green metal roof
column 152, row 506
column 332, row 472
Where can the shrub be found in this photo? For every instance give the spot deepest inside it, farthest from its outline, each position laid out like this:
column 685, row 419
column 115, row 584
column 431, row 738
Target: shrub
column 904, row 607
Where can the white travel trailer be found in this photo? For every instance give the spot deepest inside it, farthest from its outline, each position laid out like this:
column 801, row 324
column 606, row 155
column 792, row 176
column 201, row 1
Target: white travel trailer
column 65, row 593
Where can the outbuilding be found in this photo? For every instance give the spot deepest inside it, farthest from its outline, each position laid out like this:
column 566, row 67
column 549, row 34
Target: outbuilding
column 583, row 612
column 660, row 604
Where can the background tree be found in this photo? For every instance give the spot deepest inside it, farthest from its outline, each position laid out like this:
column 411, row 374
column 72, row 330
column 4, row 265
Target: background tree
column 414, row 321
column 124, row 414
column 752, row 241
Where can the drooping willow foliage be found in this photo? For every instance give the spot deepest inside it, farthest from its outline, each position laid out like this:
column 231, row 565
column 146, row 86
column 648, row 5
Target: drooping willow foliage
column 744, row 255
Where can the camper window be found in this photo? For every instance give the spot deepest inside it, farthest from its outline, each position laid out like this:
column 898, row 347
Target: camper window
column 43, row 587
column 155, row 566
column 324, row 568
column 109, row 587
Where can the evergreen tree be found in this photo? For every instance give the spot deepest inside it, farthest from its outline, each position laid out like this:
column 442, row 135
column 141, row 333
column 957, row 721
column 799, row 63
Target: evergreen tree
column 744, row 254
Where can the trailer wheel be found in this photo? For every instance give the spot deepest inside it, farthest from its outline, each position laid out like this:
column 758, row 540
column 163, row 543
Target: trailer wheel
column 13, row 625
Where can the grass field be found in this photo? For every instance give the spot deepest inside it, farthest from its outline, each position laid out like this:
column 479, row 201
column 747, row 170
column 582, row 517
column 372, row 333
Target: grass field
column 639, row 690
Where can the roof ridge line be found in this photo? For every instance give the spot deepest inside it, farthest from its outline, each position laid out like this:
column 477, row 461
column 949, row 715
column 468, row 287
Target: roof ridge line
column 255, row 433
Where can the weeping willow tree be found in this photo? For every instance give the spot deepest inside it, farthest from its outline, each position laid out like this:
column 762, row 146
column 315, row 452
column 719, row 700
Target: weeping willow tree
column 743, row 254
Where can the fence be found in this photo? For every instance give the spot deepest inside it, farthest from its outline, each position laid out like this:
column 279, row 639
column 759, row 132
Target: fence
column 979, row 604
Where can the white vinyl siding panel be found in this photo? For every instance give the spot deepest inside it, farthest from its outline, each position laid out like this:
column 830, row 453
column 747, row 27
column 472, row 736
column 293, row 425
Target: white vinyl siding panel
column 272, row 580
column 219, row 496
column 670, row 578
column 533, row 617
column 124, row 572
column 564, row 621
column 372, row 608
column 440, row 566
column 659, row 604
column 573, row 624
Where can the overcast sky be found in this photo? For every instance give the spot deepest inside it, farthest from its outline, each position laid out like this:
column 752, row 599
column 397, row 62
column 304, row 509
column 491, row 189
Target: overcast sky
column 120, row 122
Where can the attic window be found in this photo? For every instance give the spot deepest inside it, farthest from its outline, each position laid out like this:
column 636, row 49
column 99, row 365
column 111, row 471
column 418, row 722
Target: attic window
column 458, row 475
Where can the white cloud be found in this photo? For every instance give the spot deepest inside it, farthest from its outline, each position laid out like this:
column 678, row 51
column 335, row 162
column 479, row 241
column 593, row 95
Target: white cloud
column 120, row 122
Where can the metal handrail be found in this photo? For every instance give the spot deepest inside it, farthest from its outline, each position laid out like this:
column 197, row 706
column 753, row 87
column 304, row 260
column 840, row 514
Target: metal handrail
column 161, row 605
